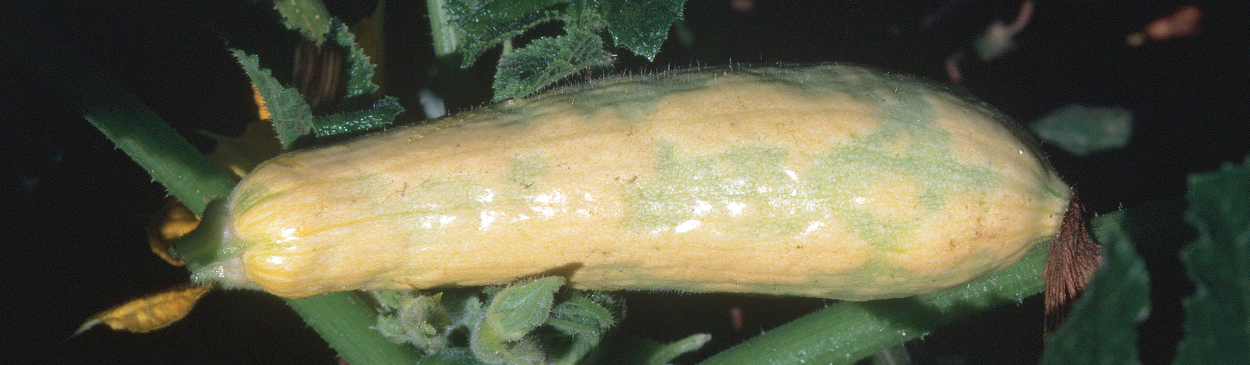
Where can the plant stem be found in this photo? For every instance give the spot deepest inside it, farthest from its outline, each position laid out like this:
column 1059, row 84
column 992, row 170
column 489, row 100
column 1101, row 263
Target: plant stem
column 446, row 35
column 148, row 140
column 845, row 332
column 342, row 319
column 346, row 322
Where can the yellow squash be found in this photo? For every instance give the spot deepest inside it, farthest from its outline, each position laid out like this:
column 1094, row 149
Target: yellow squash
column 826, row 181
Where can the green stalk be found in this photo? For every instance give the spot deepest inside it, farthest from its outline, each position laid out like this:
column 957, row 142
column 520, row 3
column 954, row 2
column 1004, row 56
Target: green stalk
column 345, row 321
column 342, row 319
column 447, row 37
column 848, row 331
column 148, row 140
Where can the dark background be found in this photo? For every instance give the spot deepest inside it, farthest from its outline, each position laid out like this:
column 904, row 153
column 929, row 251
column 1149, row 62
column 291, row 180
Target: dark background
column 75, row 207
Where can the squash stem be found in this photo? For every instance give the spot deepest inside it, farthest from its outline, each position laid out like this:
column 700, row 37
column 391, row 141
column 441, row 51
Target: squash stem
column 136, row 129
column 200, row 248
column 341, row 319
column 848, row 331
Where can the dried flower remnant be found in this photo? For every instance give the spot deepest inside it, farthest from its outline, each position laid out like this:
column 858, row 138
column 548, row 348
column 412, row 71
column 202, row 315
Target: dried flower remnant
column 1074, row 257
column 175, row 220
column 997, row 39
column 149, row 313
column 993, row 43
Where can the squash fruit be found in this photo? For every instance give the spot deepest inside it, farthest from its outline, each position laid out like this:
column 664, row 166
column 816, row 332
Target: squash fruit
column 830, row 181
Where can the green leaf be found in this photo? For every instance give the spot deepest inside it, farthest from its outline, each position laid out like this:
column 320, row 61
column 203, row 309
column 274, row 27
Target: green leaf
column 580, row 315
column 343, row 320
column 492, row 348
column 307, row 16
column 420, row 320
column 1081, row 130
column 292, row 116
column 382, row 114
column 645, row 351
column 472, row 27
column 666, row 353
column 585, row 316
column 456, row 356
column 520, row 308
column 359, row 69
column 487, row 23
column 1217, row 326
column 641, row 26
column 1102, row 327
column 545, row 61
column 464, row 307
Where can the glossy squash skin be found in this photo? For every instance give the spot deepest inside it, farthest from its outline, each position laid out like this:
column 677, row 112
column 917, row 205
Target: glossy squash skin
column 827, row 181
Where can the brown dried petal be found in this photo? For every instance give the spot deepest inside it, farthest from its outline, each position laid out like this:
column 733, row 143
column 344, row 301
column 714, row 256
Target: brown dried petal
column 1073, row 258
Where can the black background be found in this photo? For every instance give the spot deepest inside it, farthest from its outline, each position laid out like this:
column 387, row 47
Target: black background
column 75, row 207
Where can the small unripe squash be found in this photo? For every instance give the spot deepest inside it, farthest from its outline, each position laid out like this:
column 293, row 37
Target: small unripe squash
column 827, row 181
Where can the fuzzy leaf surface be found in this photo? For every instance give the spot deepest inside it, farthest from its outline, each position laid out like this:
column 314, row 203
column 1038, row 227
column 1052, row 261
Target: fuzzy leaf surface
column 520, row 308
column 292, row 116
column 359, row 69
column 1217, row 324
column 585, row 317
column 307, row 16
column 380, row 115
column 547, row 60
column 641, row 26
column 490, row 22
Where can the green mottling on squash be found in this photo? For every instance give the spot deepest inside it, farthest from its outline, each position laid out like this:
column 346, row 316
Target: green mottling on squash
column 743, row 189
column 526, row 170
column 749, row 189
column 827, row 181
column 439, row 196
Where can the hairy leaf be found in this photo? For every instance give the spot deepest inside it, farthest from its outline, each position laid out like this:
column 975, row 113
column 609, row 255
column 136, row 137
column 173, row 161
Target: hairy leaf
column 585, row 317
column 492, row 348
column 359, row 70
column 292, row 116
column 584, row 313
column 420, row 320
column 641, row 26
column 545, row 61
column 456, row 356
column 1217, row 326
column 472, row 27
column 487, row 23
column 382, row 114
column 307, row 16
column 519, row 308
